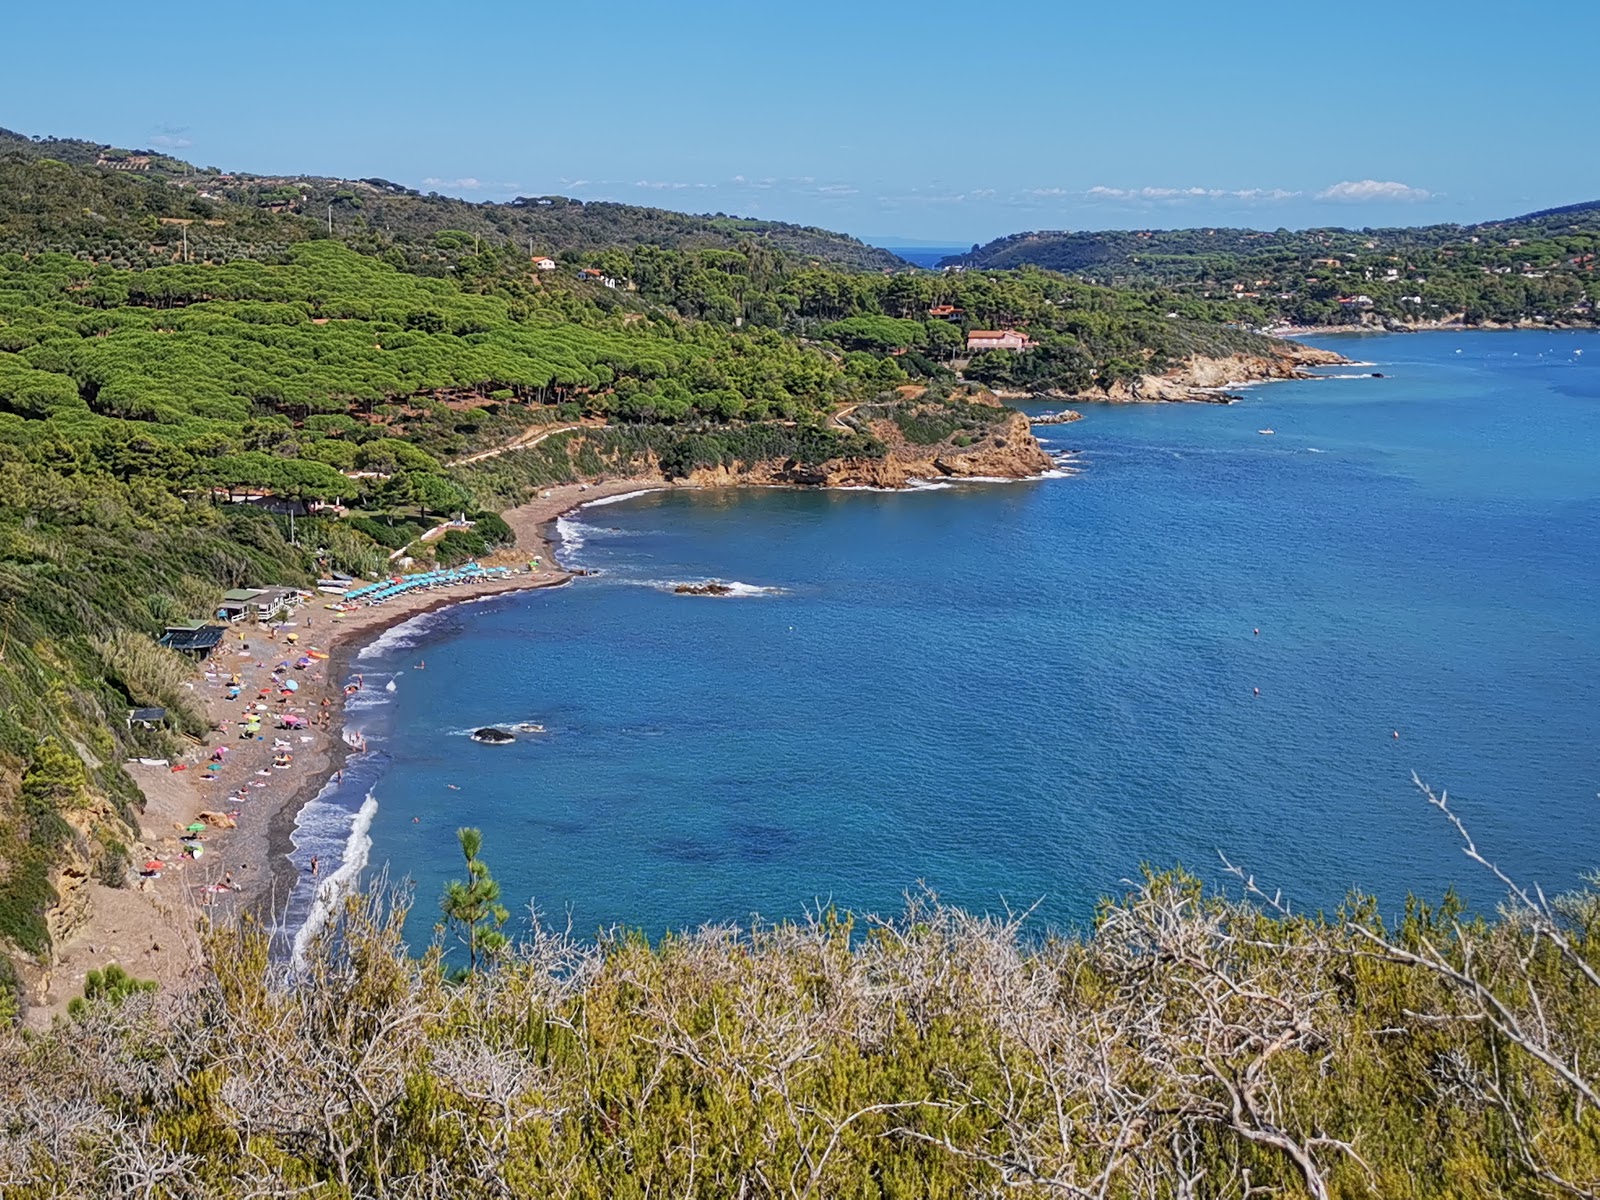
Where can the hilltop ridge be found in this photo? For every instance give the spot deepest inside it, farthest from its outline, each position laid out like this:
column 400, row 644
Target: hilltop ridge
column 1537, row 268
column 277, row 209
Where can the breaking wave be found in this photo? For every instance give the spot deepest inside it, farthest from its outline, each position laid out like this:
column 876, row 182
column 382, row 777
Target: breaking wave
column 400, row 637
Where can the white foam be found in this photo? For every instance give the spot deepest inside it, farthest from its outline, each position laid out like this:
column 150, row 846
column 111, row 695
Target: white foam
column 604, row 500
column 735, row 588
column 358, row 844
column 569, row 532
column 367, row 697
column 750, row 589
column 515, row 725
column 928, row 485
column 398, row 637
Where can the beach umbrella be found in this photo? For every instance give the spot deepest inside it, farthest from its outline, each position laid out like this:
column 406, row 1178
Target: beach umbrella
column 197, row 827
column 291, row 685
column 155, row 865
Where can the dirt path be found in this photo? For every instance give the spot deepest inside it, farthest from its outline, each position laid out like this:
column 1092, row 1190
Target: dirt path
column 525, row 440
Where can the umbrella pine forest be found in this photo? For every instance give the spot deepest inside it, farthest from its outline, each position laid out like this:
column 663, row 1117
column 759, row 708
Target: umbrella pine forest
column 175, row 343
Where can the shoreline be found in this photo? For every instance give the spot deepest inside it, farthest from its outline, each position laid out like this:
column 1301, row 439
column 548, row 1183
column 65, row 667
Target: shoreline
column 1300, row 331
column 171, row 910
column 531, row 523
column 153, row 926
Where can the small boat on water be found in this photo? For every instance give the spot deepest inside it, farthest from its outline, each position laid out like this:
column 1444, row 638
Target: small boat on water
column 528, row 727
column 1266, row 432
column 492, row 736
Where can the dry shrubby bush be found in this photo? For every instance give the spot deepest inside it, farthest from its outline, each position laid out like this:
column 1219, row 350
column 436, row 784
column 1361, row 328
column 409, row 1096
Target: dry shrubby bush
column 1190, row 1046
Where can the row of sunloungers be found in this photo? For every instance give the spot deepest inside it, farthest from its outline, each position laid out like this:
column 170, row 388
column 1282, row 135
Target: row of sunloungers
column 377, row 593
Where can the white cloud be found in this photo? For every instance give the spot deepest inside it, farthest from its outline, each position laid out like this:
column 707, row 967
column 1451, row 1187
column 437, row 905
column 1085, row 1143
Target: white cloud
column 468, row 183
column 838, row 189
column 662, row 185
column 171, row 141
column 1177, row 195
column 1362, row 190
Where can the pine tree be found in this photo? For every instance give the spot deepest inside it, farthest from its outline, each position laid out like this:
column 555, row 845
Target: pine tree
column 475, row 905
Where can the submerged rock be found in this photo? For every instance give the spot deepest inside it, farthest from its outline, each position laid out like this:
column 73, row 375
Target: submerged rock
column 709, row 588
column 492, row 736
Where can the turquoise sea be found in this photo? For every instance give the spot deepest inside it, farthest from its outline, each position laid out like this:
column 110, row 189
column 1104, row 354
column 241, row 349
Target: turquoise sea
column 1016, row 694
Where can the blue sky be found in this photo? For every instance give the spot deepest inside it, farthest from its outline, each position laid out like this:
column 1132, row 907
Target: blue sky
column 925, row 122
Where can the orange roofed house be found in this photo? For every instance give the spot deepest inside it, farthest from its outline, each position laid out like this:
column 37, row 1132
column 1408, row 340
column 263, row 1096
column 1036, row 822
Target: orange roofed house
column 997, row 339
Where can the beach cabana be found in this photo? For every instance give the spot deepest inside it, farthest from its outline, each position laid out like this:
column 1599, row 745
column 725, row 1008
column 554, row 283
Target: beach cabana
column 196, row 638
column 148, row 718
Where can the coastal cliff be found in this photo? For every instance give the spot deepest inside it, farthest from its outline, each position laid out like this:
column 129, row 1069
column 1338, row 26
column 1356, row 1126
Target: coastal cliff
column 1204, row 379
column 1007, row 449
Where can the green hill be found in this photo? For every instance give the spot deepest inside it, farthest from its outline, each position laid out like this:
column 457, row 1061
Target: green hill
column 243, row 214
column 1540, row 267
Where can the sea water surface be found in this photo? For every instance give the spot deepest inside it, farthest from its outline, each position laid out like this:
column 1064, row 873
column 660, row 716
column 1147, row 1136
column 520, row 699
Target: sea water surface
column 1016, row 694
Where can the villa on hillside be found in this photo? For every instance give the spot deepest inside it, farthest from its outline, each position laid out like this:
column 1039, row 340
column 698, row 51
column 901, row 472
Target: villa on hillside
column 544, row 264
column 997, row 339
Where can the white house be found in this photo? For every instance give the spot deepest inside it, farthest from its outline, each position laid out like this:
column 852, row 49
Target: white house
column 997, row 339
column 544, row 264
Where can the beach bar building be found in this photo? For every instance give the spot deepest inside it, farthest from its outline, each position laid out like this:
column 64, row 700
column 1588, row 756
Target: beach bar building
column 194, row 638
column 259, row 603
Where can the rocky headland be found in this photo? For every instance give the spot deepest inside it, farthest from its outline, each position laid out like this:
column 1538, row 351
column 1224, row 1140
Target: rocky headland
column 1206, row 379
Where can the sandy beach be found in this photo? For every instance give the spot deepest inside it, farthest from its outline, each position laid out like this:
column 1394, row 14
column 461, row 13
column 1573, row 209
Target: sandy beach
column 152, row 927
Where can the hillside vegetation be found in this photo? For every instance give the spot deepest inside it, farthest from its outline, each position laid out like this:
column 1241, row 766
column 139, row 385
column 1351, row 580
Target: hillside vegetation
column 1541, row 267
column 166, row 356
column 1188, row 1045
column 245, row 214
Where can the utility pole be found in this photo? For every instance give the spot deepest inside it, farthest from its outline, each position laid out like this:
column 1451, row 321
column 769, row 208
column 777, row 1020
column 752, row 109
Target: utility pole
column 330, row 217
column 185, row 243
